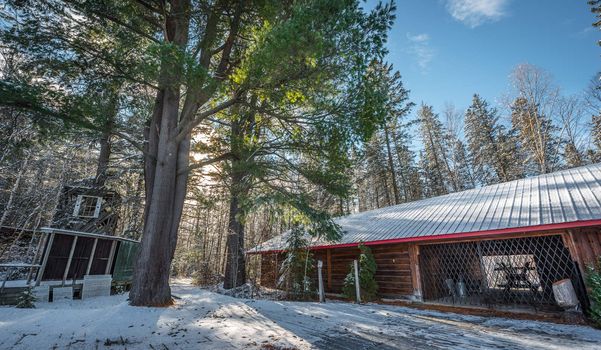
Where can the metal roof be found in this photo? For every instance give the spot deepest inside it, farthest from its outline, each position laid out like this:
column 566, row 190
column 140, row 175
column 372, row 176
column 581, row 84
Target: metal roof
column 566, row 196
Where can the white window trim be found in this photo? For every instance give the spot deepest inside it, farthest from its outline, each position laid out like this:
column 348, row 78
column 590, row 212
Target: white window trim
column 78, row 206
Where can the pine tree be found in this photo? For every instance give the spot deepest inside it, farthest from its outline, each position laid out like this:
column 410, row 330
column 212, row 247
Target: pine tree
column 297, row 267
column 434, row 159
column 480, row 132
column 26, row 299
column 462, row 170
column 593, row 279
column 408, row 172
column 367, row 282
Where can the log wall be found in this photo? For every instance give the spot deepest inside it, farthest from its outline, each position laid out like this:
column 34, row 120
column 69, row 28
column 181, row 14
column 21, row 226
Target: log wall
column 270, row 266
column 584, row 245
column 393, row 274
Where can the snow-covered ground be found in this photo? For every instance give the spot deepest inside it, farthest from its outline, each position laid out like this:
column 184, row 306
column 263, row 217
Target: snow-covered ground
column 206, row 320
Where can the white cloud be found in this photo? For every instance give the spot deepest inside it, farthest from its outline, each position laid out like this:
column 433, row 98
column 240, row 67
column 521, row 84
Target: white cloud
column 420, row 48
column 475, row 12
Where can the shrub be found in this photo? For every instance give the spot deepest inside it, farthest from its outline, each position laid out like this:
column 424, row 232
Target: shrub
column 297, row 267
column 593, row 279
column 26, row 300
column 367, row 282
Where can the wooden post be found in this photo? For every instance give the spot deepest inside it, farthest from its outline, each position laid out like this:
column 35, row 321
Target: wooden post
column 415, row 274
column 69, row 260
column 44, row 260
column 320, row 281
column 92, row 256
column 109, row 263
column 357, row 286
column 569, row 242
column 329, row 263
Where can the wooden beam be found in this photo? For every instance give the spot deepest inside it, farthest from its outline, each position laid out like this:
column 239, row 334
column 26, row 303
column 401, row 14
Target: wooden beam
column 329, row 263
column 568, row 241
column 109, row 263
column 416, row 281
column 91, row 256
column 44, row 260
column 69, row 260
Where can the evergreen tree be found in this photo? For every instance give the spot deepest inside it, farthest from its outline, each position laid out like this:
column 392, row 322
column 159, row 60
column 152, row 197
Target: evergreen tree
column 461, row 168
column 368, row 286
column 593, row 279
column 26, row 299
column 434, row 159
column 197, row 59
column 490, row 151
column 408, row 172
column 297, row 267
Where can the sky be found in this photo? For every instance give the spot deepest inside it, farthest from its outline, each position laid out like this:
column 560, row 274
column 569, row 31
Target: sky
column 447, row 50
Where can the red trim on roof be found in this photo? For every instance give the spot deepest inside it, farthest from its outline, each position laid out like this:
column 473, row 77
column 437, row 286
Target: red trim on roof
column 545, row 227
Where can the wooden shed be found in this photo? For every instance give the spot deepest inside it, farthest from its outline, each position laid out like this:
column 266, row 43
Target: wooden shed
column 81, row 242
column 501, row 246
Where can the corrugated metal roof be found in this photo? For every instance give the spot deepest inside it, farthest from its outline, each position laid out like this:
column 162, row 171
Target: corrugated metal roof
column 561, row 197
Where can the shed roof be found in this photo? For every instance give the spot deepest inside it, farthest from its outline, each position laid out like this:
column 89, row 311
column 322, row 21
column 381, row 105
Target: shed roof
column 563, row 199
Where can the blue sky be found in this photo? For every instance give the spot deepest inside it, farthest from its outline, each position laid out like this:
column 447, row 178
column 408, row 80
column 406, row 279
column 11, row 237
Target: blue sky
column 447, row 50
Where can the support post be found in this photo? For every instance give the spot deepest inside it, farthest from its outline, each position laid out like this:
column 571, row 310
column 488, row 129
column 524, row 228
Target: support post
column 109, row 263
column 44, row 260
column 416, row 280
column 69, row 260
column 92, row 256
column 322, row 298
column 329, row 265
column 357, row 286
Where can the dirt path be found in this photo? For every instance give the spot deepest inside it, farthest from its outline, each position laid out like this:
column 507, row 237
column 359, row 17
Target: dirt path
column 206, row 320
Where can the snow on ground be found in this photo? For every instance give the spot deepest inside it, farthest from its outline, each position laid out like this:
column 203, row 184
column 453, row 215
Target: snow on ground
column 206, row 320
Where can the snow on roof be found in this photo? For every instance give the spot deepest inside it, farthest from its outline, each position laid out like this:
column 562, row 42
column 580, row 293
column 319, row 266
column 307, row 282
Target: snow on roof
column 561, row 197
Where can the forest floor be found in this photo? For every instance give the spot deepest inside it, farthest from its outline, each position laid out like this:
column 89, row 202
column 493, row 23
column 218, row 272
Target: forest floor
column 205, row 320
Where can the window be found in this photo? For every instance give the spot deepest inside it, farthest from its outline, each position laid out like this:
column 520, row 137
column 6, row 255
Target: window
column 87, row 206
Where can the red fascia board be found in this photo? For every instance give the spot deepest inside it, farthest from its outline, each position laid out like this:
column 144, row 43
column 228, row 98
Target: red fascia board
column 545, row 227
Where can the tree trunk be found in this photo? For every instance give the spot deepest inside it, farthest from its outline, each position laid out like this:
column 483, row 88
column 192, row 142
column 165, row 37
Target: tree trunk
column 105, row 138
column 13, row 191
column 150, row 285
column 235, row 268
column 395, row 186
column 104, row 156
column 166, row 178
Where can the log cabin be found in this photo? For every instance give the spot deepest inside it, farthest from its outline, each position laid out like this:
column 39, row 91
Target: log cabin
column 501, row 246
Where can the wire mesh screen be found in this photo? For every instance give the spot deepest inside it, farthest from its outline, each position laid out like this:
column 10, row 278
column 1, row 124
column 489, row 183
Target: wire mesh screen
column 510, row 272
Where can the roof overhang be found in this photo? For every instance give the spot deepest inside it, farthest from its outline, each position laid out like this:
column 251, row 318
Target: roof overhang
column 462, row 235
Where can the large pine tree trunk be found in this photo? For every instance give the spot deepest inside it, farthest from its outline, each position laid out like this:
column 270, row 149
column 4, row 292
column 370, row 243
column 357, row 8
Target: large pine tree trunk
column 166, row 177
column 150, row 285
column 235, row 268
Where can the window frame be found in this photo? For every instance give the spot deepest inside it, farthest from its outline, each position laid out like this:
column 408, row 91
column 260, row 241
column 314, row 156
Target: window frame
column 78, row 207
